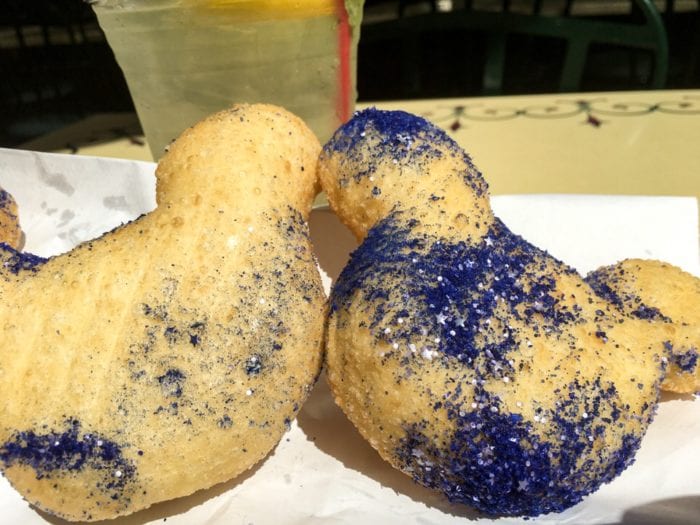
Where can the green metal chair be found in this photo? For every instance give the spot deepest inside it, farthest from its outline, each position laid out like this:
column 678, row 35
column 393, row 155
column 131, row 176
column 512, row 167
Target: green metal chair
column 578, row 32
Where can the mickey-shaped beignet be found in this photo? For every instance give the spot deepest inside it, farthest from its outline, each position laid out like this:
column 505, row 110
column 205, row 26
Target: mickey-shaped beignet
column 172, row 353
column 662, row 294
column 471, row 360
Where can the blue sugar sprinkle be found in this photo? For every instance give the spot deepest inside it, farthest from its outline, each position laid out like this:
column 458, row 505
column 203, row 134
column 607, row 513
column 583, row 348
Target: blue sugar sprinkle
column 598, row 282
column 253, row 365
column 59, row 452
column 225, row 422
column 199, row 325
column 16, row 262
column 171, row 334
column 602, row 282
column 403, row 138
column 174, row 335
column 496, row 462
column 453, row 288
column 397, row 129
column 686, row 361
column 650, row 313
column 171, row 383
column 5, row 199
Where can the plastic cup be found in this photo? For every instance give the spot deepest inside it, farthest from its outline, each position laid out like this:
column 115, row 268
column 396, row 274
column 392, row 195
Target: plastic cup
column 185, row 59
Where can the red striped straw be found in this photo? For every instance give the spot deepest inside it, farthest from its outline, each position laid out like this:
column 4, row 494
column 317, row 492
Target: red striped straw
column 344, row 71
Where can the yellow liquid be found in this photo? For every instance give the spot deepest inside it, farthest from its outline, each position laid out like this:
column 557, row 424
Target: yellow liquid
column 268, row 9
column 185, row 59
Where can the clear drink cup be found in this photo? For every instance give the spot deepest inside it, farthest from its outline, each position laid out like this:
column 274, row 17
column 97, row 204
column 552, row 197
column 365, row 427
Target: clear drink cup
column 185, row 59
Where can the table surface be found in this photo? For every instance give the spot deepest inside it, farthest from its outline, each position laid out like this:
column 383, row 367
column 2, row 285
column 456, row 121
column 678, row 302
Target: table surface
column 621, row 143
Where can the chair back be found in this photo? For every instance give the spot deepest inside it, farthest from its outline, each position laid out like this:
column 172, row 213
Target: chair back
column 578, row 32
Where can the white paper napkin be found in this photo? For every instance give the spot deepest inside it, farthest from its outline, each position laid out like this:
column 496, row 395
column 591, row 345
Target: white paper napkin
column 588, row 231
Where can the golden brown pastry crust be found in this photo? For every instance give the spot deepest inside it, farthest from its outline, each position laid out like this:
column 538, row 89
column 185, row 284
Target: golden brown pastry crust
column 172, row 353
column 666, row 297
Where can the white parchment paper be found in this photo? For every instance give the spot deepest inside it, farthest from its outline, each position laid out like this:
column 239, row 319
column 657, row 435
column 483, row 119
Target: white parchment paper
column 65, row 199
column 323, row 472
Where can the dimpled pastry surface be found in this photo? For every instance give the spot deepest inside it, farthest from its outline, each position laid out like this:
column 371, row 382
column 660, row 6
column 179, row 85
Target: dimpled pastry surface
column 172, row 353
column 471, row 360
column 659, row 293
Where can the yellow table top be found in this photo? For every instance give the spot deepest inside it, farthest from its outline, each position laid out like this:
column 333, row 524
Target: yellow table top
column 634, row 143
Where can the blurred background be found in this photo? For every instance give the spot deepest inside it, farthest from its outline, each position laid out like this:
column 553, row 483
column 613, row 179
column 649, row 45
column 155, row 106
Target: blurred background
column 56, row 67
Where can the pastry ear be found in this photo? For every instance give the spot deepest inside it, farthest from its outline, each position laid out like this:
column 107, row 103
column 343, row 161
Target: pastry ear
column 661, row 294
column 385, row 161
column 10, row 232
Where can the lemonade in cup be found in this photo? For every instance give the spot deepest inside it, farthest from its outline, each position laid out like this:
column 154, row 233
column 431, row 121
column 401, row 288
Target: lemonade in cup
column 185, row 59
